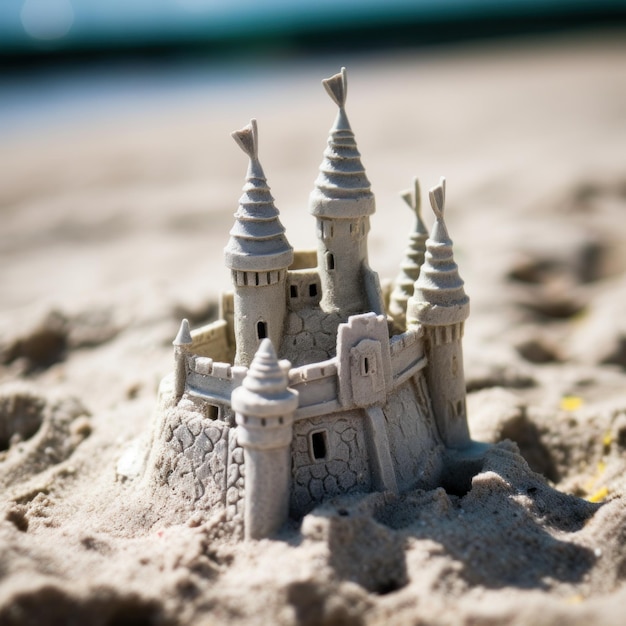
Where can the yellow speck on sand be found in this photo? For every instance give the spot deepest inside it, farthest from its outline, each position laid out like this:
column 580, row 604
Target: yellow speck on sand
column 607, row 440
column 577, row 599
column 571, row 403
column 599, row 495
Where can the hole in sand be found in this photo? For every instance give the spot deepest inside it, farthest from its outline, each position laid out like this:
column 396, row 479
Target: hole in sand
column 457, row 479
column 21, row 415
column 135, row 613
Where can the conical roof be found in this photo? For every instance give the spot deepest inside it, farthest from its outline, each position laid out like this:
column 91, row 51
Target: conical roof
column 183, row 338
column 439, row 297
column 264, row 391
column 257, row 240
column 413, row 255
column 342, row 189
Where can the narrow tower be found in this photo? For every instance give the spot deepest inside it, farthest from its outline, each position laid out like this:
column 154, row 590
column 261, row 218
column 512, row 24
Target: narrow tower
column 440, row 304
column 258, row 255
column 264, row 408
column 413, row 259
column 342, row 202
column 182, row 344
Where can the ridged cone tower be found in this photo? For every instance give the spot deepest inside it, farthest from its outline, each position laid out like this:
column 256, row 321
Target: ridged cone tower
column 440, row 304
column 264, row 409
column 413, row 259
column 258, row 255
column 342, row 202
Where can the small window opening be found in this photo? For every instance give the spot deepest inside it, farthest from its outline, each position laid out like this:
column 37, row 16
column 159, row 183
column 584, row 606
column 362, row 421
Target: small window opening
column 212, row 411
column 261, row 330
column 319, row 445
column 293, row 291
column 313, row 290
column 263, row 422
column 368, row 365
column 330, row 261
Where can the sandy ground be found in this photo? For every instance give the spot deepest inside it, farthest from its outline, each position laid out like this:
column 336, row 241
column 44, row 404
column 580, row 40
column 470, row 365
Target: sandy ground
column 112, row 230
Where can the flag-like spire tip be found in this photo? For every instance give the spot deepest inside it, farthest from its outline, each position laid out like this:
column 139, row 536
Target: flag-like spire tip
column 438, row 198
column 413, row 197
column 247, row 138
column 337, row 87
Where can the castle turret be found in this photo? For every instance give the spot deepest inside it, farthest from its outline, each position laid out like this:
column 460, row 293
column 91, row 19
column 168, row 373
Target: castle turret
column 440, row 304
column 342, row 202
column 181, row 344
column 413, row 259
column 258, row 255
column 264, row 409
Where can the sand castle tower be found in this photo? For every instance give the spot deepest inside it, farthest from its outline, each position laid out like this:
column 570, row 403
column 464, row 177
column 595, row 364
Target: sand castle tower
column 182, row 344
column 342, row 202
column 264, row 409
column 413, row 259
column 258, row 255
column 440, row 304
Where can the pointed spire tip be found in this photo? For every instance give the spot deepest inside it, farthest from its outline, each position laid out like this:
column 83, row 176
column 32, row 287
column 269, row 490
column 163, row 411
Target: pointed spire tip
column 183, row 338
column 247, row 139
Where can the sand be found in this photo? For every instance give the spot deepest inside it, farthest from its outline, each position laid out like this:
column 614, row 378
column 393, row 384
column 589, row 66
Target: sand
column 113, row 224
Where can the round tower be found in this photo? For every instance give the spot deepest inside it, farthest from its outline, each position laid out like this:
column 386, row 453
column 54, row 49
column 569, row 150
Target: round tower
column 258, row 255
column 440, row 304
column 264, row 409
column 342, row 202
column 413, row 259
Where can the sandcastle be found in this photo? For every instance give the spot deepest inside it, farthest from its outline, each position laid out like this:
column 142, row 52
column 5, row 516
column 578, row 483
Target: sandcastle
column 314, row 383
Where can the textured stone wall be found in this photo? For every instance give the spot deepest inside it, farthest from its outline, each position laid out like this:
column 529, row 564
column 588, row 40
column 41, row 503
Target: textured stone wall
column 414, row 441
column 344, row 469
column 310, row 336
column 202, row 461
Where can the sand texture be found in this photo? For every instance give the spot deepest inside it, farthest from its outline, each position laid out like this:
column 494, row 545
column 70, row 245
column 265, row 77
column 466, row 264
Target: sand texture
column 113, row 226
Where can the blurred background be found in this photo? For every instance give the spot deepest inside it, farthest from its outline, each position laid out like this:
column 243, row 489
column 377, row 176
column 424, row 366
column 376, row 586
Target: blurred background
column 57, row 55
column 118, row 177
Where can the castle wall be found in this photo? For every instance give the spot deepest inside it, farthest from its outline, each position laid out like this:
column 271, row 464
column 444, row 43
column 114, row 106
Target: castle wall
column 212, row 380
column 201, row 461
column 407, row 354
column 304, row 289
column 303, row 259
column 317, row 387
column 329, row 457
column 212, row 341
column 414, row 441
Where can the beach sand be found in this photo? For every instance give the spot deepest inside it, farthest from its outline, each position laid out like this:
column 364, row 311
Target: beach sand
column 113, row 227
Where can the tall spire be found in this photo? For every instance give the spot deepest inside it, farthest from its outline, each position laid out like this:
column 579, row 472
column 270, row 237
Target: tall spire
column 413, row 257
column 342, row 189
column 257, row 240
column 439, row 297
